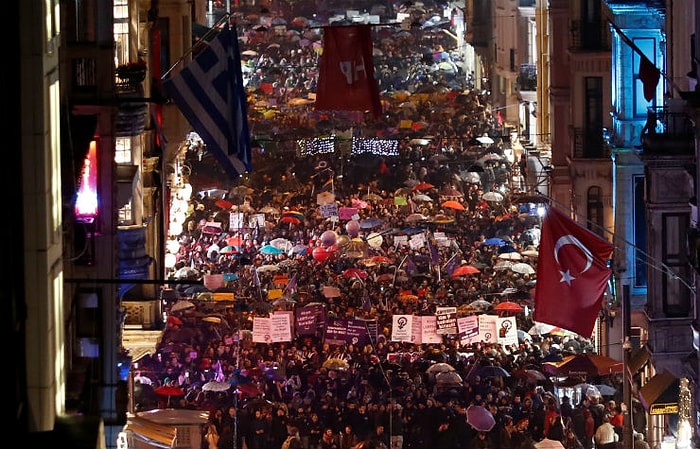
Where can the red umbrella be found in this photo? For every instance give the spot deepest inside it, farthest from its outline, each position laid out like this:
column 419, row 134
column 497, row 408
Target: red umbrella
column 464, row 270
column 480, row 418
column 169, row 390
column 355, row 273
column 508, row 306
column 423, row 186
column 290, row 219
column 224, row 204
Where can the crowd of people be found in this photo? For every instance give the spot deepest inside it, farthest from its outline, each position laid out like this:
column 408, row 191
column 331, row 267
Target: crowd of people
column 311, row 394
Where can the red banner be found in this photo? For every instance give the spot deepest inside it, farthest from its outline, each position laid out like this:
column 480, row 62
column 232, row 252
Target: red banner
column 572, row 274
column 346, row 71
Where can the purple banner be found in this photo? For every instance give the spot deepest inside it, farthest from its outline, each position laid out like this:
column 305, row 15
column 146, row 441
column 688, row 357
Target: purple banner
column 309, row 319
column 351, row 332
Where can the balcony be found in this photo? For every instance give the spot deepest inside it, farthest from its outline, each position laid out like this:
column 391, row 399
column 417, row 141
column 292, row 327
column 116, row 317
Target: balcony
column 590, row 144
column 527, row 79
column 589, row 36
column 668, row 133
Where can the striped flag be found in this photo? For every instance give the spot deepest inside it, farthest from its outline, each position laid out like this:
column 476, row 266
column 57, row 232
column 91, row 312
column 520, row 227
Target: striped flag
column 327, row 186
column 209, row 93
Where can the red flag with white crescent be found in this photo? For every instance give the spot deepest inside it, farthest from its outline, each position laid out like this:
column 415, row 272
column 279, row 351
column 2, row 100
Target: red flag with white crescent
column 572, row 274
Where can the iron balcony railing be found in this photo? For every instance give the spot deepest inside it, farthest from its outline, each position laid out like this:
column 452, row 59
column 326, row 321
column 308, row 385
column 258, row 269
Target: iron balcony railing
column 668, row 132
column 590, row 143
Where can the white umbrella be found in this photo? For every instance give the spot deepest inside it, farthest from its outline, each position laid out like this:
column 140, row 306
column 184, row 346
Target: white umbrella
column 282, row 243
column 422, row 197
column 214, row 385
column 510, row 256
column 549, row 444
column 485, row 140
column 522, row 268
column 267, row 269
column 492, row 196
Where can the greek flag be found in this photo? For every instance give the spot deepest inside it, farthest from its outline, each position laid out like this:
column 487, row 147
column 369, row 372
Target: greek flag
column 209, row 92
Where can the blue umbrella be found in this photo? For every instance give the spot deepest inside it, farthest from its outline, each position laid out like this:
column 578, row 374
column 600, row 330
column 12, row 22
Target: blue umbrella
column 411, row 231
column 270, row 250
column 369, row 223
column 494, row 241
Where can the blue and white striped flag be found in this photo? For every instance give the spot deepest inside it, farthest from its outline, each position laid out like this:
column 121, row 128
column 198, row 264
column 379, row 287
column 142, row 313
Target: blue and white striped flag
column 209, row 92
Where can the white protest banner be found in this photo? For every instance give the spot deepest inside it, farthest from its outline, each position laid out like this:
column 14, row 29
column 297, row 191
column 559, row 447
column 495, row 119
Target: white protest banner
column 428, row 328
column 468, row 329
column 507, row 331
column 262, row 330
column 281, row 326
column 401, row 328
column 446, row 320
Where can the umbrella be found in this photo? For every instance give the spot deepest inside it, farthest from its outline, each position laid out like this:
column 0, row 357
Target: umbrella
column 256, row 403
column 464, row 270
column 522, row 268
column 269, row 210
column 186, row 273
column 451, row 192
column 440, row 367
column 503, row 265
column 229, row 249
column 355, row 273
column 485, row 140
column 452, row 204
column 480, row 418
column 491, row 371
column 380, row 259
column 290, row 219
column 270, row 250
column 267, row 268
column 369, row 223
column 423, row 186
column 606, row 390
column 415, row 217
column 169, row 390
column 510, row 256
column 471, row 177
column 224, row 204
column 544, row 329
column 549, row 444
column 434, row 354
column 448, row 377
column 529, row 375
column 282, row 243
column 479, row 305
column 215, row 385
column 584, row 364
column 212, row 227
column 386, row 277
column 182, row 304
column 336, row 364
column 422, row 197
column 492, row 196
column 442, row 219
column 212, row 319
column 494, row 241
column 588, row 390
column 523, row 335
column 508, row 306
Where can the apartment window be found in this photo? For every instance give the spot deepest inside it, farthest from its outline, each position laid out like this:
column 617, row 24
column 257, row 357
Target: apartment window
column 121, row 32
column 122, row 150
column 648, row 47
column 594, row 210
column 593, row 116
column 675, row 291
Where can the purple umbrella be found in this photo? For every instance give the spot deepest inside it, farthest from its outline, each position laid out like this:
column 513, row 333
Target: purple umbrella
column 480, row 418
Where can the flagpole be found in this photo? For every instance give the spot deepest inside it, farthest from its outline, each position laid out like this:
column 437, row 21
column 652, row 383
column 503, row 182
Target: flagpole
column 637, row 50
column 397, row 269
column 211, row 32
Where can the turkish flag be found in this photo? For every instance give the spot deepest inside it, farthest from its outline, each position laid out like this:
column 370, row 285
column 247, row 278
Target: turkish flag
column 572, row 274
column 346, row 71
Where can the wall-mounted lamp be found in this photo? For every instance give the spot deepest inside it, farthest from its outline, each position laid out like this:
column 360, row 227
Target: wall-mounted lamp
column 611, row 314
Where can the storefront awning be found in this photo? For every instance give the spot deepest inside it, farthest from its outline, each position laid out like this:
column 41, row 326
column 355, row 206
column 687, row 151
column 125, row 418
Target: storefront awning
column 659, row 396
column 638, row 360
